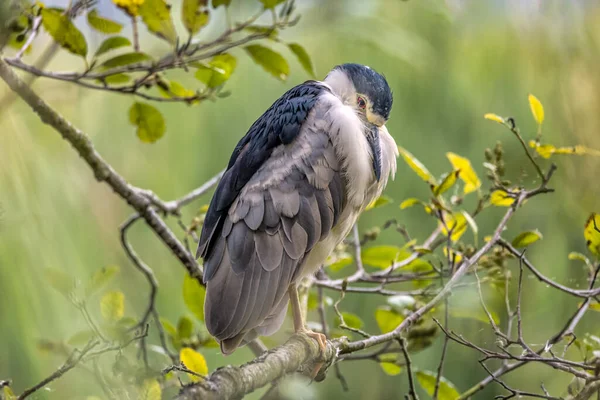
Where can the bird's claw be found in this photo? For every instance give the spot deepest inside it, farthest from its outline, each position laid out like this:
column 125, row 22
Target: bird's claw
column 322, row 341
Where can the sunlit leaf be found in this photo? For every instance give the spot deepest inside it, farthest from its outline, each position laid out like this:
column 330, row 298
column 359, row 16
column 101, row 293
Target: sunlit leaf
column 218, row 70
column 380, row 201
column 500, row 198
column 168, row 327
column 112, row 306
column 409, row 203
column 150, row 390
column 467, row 173
column 387, row 319
column 446, row 391
column 595, row 306
column 81, row 338
column 156, row 14
column 112, row 43
column 455, row 223
column 217, row 3
column 131, row 7
column 389, row 364
column 185, row 327
column 417, row 166
column 494, row 117
column 547, row 150
column 193, row 296
column 148, row 120
column 173, row 89
column 447, row 183
column 591, row 233
column 380, row 256
column 578, row 256
column 536, row 109
column 337, row 263
column 63, row 31
column 125, row 59
column 271, row 3
column 271, row 61
column 193, row 361
column 60, row 281
column 401, row 302
column 8, row 394
column 524, row 239
column 303, row 58
column 453, row 255
column 100, row 278
column 351, row 320
column 102, row 24
column 194, row 15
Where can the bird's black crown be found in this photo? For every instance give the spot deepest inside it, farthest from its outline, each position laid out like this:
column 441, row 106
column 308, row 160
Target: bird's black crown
column 371, row 83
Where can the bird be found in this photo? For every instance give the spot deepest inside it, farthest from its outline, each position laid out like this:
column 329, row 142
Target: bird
column 293, row 189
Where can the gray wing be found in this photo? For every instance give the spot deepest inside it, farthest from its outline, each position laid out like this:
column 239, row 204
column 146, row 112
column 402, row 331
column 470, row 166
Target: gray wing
column 289, row 204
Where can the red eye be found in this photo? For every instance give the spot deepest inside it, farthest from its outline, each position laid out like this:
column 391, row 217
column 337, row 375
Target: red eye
column 361, row 102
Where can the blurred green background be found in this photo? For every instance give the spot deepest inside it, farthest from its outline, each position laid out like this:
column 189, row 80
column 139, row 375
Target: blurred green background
column 448, row 63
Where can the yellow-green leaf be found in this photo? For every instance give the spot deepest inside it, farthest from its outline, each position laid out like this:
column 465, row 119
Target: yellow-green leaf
column 378, row 202
column 447, row 183
column 112, row 306
column 156, row 14
column 417, row 166
column 577, row 256
column 455, row 223
column 536, row 109
column 195, row 15
column 125, row 59
column 100, row 278
column 389, row 364
column 467, row 173
column 446, row 391
column 63, row 31
column 271, row 61
column 131, row 7
column 547, row 150
column 271, row 3
column 387, row 319
column 218, row 70
column 148, row 120
column 185, row 327
column 172, row 89
column 494, row 117
column 8, row 393
column 524, row 239
column 60, row 281
column 409, row 203
column 595, row 306
column 102, row 24
column 351, row 320
column 193, row 361
column 303, row 58
column 499, row 198
column 150, row 390
column 112, row 43
column 380, row 256
column 168, row 327
column 81, row 338
column 217, row 3
column 193, row 296
column 115, row 79
column 591, row 233
column 453, row 255
column 337, row 263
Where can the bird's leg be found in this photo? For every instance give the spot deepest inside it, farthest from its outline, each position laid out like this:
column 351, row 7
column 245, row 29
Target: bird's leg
column 299, row 324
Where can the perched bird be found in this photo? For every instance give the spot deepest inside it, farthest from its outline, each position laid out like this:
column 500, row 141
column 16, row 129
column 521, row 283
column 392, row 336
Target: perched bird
column 293, row 189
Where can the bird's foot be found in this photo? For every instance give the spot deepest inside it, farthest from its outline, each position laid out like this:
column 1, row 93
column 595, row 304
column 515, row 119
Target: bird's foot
column 322, row 341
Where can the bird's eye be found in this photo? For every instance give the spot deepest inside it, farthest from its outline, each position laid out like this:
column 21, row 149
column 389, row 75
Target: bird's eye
column 361, row 102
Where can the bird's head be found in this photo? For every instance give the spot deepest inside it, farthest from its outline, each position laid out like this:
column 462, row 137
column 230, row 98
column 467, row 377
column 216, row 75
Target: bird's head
column 368, row 93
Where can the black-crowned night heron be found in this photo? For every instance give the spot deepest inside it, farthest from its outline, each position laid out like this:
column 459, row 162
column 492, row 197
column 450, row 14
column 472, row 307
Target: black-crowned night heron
column 293, row 189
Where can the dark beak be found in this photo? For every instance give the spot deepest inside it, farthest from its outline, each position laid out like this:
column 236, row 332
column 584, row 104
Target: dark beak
column 373, row 139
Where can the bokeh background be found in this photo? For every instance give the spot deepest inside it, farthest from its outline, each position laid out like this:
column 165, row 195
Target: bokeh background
column 448, row 63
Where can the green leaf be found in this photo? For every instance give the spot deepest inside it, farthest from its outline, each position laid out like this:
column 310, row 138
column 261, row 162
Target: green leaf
column 125, row 59
column 185, row 327
column 380, row 256
column 63, row 31
column 578, row 256
column 112, row 306
column 303, row 58
column 271, row 61
column 81, row 338
column 447, row 183
column 338, row 263
column 193, row 361
column 115, row 79
column 60, row 281
column 148, row 120
column 112, row 43
column 271, row 3
column 446, row 391
column 379, row 202
column 417, row 166
column 100, row 278
column 524, row 239
column 409, row 203
column 102, row 24
column 387, row 319
column 168, row 327
column 8, row 393
column 591, row 233
column 217, row 3
column 156, row 14
column 389, row 364
column 352, row 320
column 194, row 15
column 175, row 89
column 218, row 70
column 193, row 296
column 150, row 390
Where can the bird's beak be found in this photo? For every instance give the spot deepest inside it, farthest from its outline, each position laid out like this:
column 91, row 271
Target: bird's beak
column 373, row 139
